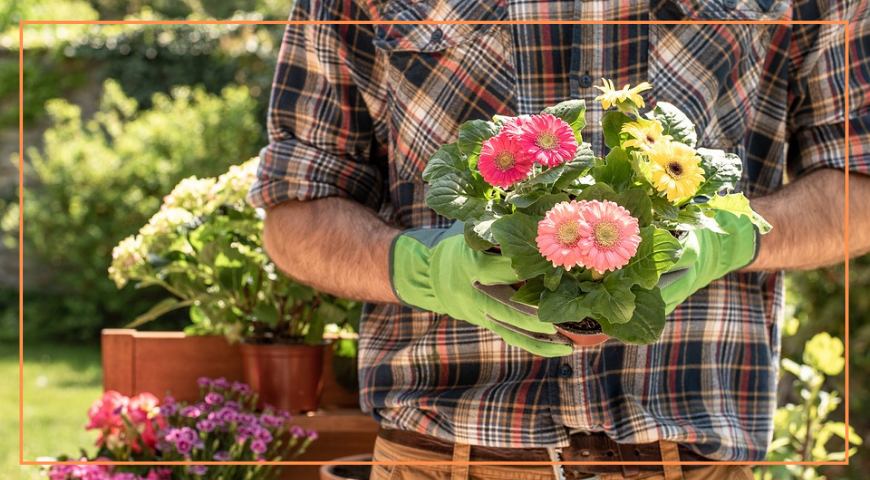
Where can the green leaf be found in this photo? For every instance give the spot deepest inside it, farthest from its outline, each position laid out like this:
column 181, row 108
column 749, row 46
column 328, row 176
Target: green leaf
column 658, row 251
column 161, row 308
column 266, row 313
column 675, row 123
column 722, row 171
column 573, row 112
column 472, row 134
column 599, row 191
column 552, row 279
column 611, row 126
column 545, row 203
column 523, row 199
column 476, row 235
column 583, row 160
column 529, row 293
column 565, row 304
column 610, row 300
column 694, row 216
column 638, row 203
column 454, row 196
column 616, row 170
column 665, row 209
column 738, row 204
column 647, row 321
column 516, row 236
column 448, row 159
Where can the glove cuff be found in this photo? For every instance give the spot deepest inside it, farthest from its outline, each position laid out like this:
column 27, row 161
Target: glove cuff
column 409, row 259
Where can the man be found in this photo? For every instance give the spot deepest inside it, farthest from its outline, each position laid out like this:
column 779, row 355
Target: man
column 357, row 110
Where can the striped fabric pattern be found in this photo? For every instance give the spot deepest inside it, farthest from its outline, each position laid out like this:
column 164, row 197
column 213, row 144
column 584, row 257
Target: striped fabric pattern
column 356, row 111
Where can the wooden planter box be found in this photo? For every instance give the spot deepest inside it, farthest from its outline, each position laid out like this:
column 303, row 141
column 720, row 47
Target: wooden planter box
column 168, row 363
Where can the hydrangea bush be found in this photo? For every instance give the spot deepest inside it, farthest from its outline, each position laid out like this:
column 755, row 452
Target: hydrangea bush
column 222, row 426
column 204, row 246
column 588, row 236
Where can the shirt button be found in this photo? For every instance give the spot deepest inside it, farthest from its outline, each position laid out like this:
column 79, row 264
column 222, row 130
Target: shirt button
column 565, row 370
column 585, row 81
column 437, row 35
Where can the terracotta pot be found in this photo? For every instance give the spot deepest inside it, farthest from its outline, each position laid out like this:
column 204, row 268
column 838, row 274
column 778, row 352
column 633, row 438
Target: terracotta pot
column 348, row 472
column 288, row 377
column 581, row 339
column 165, row 362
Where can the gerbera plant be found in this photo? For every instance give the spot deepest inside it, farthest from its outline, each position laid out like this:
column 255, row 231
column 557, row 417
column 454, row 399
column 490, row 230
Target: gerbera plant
column 589, row 236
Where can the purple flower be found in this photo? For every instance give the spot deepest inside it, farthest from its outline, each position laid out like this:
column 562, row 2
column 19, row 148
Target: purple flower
column 198, row 470
column 205, row 426
column 191, row 411
column 258, row 446
column 312, row 435
column 213, row 398
column 241, row 388
column 222, row 455
column 220, row 383
column 247, row 418
column 125, row 476
column 188, row 434
column 232, row 404
column 227, row 415
column 183, row 446
column 203, row 382
column 263, row 434
column 271, row 420
column 297, row 431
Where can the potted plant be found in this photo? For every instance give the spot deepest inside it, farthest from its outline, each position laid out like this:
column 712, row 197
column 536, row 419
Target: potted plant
column 589, row 236
column 222, row 425
column 204, row 247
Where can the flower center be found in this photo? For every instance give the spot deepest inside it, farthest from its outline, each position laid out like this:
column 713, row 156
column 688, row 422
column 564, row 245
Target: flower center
column 568, row 233
column 675, row 169
column 650, row 139
column 546, row 140
column 606, row 234
column 504, row 161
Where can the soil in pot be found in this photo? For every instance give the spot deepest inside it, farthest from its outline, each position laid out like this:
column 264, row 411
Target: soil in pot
column 585, row 333
column 348, row 472
column 286, row 376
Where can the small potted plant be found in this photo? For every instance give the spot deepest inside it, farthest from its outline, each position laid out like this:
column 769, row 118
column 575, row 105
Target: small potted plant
column 222, row 425
column 204, row 248
column 589, row 236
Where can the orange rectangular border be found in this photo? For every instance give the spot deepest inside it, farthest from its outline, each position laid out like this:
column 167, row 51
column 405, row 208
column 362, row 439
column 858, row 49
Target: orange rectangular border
column 22, row 23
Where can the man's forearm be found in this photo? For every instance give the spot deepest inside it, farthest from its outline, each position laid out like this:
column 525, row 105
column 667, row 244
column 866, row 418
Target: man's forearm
column 808, row 221
column 333, row 244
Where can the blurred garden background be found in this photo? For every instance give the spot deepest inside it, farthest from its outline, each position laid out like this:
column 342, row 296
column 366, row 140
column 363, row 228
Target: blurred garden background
column 117, row 115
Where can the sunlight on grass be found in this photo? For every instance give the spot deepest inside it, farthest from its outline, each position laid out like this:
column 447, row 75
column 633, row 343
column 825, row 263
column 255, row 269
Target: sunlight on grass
column 60, row 382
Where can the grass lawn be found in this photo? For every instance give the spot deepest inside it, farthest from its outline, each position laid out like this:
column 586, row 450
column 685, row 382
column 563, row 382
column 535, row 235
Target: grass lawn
column 60, row 383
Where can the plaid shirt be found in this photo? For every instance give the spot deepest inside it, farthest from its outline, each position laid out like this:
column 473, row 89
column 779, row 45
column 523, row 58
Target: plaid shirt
column 357, row 110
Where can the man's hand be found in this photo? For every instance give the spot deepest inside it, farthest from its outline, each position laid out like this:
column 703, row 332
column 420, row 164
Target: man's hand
column 434, row 269
column 708, row 256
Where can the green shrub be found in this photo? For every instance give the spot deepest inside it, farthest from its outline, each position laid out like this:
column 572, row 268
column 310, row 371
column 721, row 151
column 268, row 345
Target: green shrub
column 97, row 181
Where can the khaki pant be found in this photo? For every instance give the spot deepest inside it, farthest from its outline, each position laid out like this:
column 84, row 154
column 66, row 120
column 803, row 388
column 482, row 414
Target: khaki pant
column 386, row 451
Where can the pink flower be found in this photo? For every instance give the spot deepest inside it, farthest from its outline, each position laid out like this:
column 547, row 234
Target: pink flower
column 502, row 162
column 548, row 139
column 598, row 235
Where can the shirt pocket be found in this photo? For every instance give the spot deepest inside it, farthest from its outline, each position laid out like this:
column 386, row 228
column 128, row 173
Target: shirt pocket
column 712, row 72
column 441, row 75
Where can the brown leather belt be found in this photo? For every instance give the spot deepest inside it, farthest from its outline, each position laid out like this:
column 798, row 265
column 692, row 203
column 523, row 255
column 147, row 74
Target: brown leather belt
column 584, row 447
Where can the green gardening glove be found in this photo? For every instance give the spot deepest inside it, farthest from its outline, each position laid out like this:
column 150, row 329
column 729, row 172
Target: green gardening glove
column 708, row 256
column 435, row 270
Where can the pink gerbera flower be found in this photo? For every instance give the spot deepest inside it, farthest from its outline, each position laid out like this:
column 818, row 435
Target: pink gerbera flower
column 548, row 139
column 503, row 162
column 609, row 236
column 599, row 235
column 559, row 234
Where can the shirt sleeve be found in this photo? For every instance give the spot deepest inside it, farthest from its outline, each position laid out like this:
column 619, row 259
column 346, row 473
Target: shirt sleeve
column 817, row 89
column 321, row 131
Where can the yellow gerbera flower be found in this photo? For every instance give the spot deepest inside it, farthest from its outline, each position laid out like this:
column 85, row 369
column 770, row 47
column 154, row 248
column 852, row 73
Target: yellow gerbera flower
column 645, row 134
column 610, row 96
column 676, row 170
